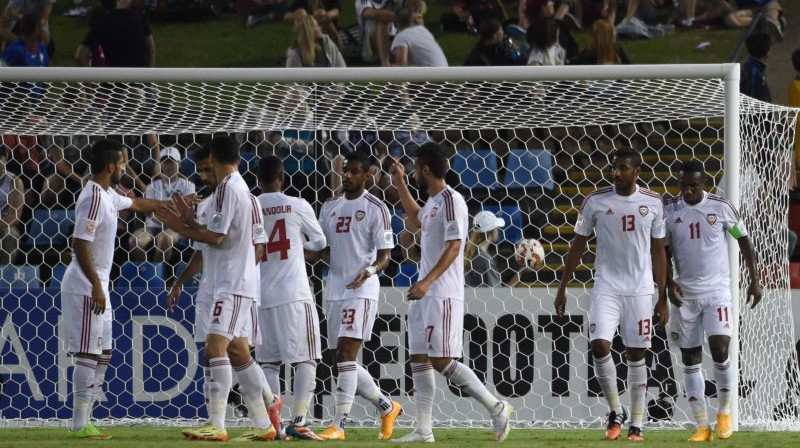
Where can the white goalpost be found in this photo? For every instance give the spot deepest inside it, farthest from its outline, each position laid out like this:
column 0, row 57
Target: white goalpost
column 528, row 143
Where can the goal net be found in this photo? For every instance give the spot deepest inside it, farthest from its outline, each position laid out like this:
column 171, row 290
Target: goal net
column 527, row 144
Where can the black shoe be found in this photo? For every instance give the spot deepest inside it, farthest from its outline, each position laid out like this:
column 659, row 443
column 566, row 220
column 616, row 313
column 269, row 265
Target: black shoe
column 635, row 434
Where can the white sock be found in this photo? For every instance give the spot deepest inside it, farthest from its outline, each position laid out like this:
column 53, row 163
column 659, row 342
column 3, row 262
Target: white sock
column 251, row 385
column 82, row 391
column 305, row 381
column 368, row 388
column 272, row 373
column 346, row 384
column 100, row 377
column 695, row 386
column 219, row 385
column 606, row 373
column 465, row 379
column 424, row 387
column 637, row 385
column 724, row 377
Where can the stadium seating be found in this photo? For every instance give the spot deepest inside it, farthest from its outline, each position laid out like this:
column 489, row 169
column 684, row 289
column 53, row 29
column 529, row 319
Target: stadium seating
column 512, row 215
column 58, row 274
column 26, row 276
column 526, row 168
column 50, row 227
column 407, row 275
column 192, row 282
column 249, row 161
column 397, row 222
column 141, row 275
column 476, row 168
column 187, row 167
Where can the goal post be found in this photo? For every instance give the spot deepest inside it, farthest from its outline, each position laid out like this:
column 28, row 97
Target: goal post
column 527, row 143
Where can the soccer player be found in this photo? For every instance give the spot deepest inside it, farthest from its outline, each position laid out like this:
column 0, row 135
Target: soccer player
column 629, row 224
column 229, row 234
column 700, row 290
column 358, row 229
column 436, row 312
column 288, row 315
column 85, row 303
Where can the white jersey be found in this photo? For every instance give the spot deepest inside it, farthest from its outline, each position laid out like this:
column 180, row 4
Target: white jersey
column 204, row 289
column 283, row 272
column 162, row 189
column 696, row 234
column 355, row 229
column 234, row 213
column 624, row 226
column 96, row 213
column 443, row 218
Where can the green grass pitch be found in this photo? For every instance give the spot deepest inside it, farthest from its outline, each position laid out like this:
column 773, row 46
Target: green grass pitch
column 147, row 437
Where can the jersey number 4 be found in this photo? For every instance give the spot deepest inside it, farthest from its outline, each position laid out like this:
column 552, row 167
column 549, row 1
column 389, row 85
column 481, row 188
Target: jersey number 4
column 278, row 241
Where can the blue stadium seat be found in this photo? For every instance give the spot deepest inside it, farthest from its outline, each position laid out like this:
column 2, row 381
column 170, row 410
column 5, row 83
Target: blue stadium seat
column 192, row 282
column 51, row 228
column 512, row 215
column 529, row 168
column 249, row 161
column 476, row 168
column 407, row 275
column 141, row 275
column 58, row 274
column 187, row 167
column 301, row 135
column 297, row 162
column 26, row 276
column 397, row 222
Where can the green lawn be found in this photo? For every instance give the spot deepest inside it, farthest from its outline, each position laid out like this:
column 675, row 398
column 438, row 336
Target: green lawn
column 225, row 42
column 158, row 437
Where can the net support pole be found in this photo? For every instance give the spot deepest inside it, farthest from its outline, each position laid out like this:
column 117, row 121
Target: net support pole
column 732, row 173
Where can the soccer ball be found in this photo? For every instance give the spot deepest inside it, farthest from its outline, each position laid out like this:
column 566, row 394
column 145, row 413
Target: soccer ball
column 529, row 253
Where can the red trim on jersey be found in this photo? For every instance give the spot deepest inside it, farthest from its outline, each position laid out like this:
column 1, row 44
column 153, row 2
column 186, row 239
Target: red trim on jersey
column 448, row 205
column 446, row 329
column 603, row 190
column 246, row 365
column 254, row 319
column 387, row 224
column 95, row 207
column 311, row 337
column 221, row 193
column 237, row 305
column 652, row 193
column 364, row 322
column 87, row 325
column 721, row 199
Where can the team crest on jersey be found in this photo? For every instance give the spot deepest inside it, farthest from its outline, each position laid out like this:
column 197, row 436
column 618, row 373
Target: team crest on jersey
column 259, row 230
column 360, row 215
column 643, row 210
column 216, row 219
column 433, row 211
column 711, row 218
column 91, row 227
column 675, row 336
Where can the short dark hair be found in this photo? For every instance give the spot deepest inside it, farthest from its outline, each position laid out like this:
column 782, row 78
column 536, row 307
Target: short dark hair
column 488, row 27
column 28, row 24
column 201, row 153
column 758, row 44
column 433, row 156
column 359, row 156
column 796, row 59
column 692, row 166
column 270, row 169
column 630, row 154
column 224, row 149
column 405, row 18
column 105, row 152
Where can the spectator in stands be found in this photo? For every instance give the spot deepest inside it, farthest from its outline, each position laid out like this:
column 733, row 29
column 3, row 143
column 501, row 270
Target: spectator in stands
column 493, row 48
column 61, row 189
column 16, row 10
column 480, row 265
column 376, row 20
column 471, row 13
column 753, row 80
column 124, row 37
column 794, row 101
column 267, row 11
column 311, row 48
column 543, row 39
column 29, row 50
column 414, row 45
column 325, row 11
column 604, row 48
column 171, row 181
column 11, row 204
column 546, row 8
column 739, row 16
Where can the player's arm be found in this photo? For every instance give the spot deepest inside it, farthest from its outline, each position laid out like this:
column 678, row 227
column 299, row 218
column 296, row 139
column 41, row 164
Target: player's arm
column 419, row 289
column 576, row 250
column 179, row 216
column 83, row 253
column 409, row 204
column 400, row 56
column 674, row 291
column 381, row 262
column 10, row 15
column 378, row 15
column 749, row 255
column 659, row 256
column 194, row 266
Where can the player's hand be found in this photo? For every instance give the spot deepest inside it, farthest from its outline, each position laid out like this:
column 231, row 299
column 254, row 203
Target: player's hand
column 560, row 303
column 675, row 294
column 418, row 290
column 261, row 253
column 359, row 280
column 662, row 311
column 184, row 206
column 398, row 172
column 754, row 291
column 98, row 299
column 173, row 296
column 169, row 216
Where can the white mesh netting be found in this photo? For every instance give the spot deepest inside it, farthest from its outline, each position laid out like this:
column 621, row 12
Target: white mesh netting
column 527, row 150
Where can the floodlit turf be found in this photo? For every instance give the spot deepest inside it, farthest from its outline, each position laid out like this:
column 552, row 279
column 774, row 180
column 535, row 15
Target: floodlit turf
column 147, row 437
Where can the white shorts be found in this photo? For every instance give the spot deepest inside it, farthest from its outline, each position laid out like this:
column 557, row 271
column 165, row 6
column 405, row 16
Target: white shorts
column 202, row 309
column 351, row 318
column 290, row 333
column 436, row 327
column 87, row 332
column 705, row 315
column 233, row 316
column 633, row 315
